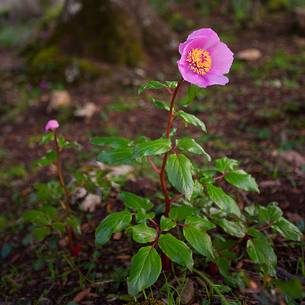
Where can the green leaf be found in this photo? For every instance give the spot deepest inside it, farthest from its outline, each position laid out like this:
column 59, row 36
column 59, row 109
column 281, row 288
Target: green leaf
column 166, row 223
column 191, row 119
column 160, row 104
column 116, row 156
column 50, row 211
column 270, row 214
column 114, row 222
column 242, row 180
column 144, row 270
column 226, row 165
column 142, row 215
column 143, row 234
column 75, row 223
column 179, row 172
column 133, row 201
column 261, row 252
column 59, row 227
column 41, row 233
column 153, row 84
column 36, row 217
column 152, row 148
column 191, row 93
column 234, row 228
column 48, row 159
column 46, row 138
column 287, row 229
column 114, row 142
column 223, row 200
column 171, row 84
column 199, row 223
column 190, row 145
column 180, row 213
column 199, row 240
column 176, row 250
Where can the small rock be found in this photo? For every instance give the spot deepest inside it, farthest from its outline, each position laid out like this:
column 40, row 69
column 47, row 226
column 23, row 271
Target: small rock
column 121, row 170
column 90, row 203
column 59, row 99
column 87, row 111
column 249, row 54
column 117, row 236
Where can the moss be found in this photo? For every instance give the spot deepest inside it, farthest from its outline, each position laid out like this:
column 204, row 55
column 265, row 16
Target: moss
column 52, row 65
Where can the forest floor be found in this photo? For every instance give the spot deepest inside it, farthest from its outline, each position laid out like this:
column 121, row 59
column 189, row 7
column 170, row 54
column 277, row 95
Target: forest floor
column 259, row 119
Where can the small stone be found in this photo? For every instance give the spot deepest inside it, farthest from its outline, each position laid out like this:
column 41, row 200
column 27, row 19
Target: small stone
column 249, row 54
column 300, row 17
column 188, row 292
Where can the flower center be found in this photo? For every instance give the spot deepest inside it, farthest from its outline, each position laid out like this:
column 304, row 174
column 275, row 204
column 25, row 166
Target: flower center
column 199, row 61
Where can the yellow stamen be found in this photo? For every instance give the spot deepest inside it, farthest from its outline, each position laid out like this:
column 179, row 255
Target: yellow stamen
column 200, row 61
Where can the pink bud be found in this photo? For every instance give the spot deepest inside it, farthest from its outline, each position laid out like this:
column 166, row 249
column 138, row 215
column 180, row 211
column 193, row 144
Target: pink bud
column 51, row 125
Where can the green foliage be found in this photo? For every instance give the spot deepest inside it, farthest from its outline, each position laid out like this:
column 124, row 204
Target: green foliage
column 144, row 271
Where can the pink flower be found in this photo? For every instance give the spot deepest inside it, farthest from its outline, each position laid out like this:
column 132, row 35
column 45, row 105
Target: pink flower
column 204, row 59
column 51, row 125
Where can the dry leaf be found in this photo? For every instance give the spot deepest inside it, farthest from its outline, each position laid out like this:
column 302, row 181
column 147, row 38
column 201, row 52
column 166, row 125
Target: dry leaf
column 188, row 291
column 249, row 54
column 59, row 99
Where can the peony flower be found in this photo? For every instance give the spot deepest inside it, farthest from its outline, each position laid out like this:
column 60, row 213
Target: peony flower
column 204, row 59
column 51, row 125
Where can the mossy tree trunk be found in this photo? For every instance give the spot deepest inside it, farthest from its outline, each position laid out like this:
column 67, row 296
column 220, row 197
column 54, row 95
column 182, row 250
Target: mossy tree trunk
column 114, row 31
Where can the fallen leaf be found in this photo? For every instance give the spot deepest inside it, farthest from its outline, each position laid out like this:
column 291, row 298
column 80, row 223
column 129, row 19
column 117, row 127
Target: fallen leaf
column 292, row 157
column 187, row 293
column 123, row 257
column 90, row 203
column 82, row 295
column 117, row 236
column 59, row 99
column 87, row 111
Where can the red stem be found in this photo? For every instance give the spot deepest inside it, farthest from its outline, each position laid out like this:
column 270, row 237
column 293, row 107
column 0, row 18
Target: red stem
column 163, row 167
column 60, row 173
column 153, row 165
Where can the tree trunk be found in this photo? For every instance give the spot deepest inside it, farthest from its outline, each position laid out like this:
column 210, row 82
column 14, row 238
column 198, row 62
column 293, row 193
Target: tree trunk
column 114, row 31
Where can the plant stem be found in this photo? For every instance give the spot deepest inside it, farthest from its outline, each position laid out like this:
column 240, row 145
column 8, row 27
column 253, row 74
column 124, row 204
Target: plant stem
column 60, row 172
column 212, row 286
column 163, row 167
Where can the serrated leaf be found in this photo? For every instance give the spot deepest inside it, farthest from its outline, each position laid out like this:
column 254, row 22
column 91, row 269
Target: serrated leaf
column 190, row 145
column 133, row 201
column 226, row 165
column 117, row 156
column 261, row 252
column 199, row 240
column 166, row 223
column 153, row 84
column 223, row 200
column 234, row 228
column 114, row 142
column 172, row 84
column 142, row 234
column 199, row 222
column 270, row 214
column 41, row 233
column 287, row 229
column 36, row 217
column 59, row 227
column 144, row 270
column 191, row 119
column 113, row 223
column 152, row 148
column 176, row 250
column 242, row 180
column 179, row 173
column 180, row 213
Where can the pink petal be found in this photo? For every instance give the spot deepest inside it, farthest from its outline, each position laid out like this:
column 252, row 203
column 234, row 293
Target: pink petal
column 213, row 79
column 222, row 58
column 51, row 125
column 208, row 36
column 191, row 77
